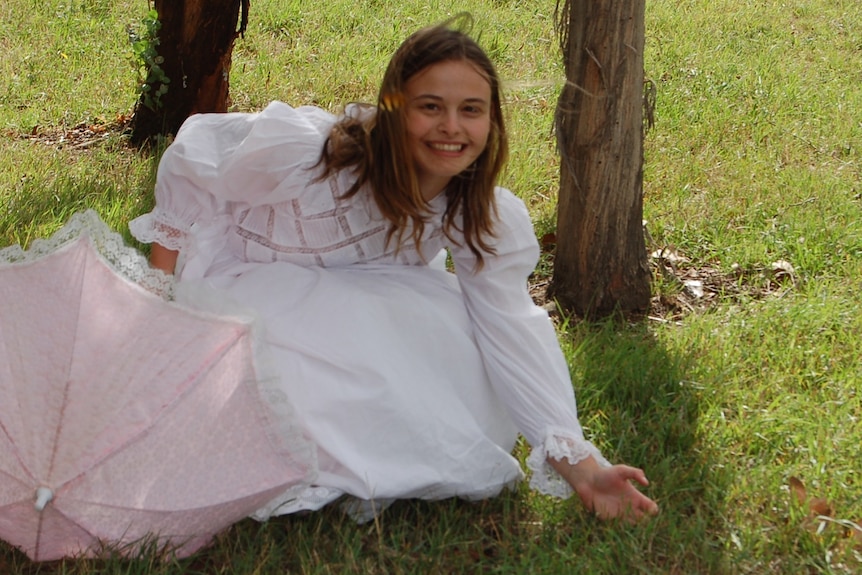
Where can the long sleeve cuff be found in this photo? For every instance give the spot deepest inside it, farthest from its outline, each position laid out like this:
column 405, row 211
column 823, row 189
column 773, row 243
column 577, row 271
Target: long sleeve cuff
column 558, row 444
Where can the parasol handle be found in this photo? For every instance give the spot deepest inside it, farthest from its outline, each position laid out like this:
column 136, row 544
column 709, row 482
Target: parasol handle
column 44, row 495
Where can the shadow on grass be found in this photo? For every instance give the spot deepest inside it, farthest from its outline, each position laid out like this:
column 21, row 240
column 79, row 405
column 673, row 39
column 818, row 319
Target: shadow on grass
column 411, row 537
column 634, row 397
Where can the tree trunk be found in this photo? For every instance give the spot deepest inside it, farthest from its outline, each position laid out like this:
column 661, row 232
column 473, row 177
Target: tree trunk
column 600, row 265
column 196, row 41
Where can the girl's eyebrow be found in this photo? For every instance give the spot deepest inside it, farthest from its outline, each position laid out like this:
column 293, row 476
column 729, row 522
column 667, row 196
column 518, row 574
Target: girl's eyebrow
column 440, row 98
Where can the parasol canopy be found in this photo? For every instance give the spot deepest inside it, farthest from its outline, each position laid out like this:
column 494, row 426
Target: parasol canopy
column 124, row 417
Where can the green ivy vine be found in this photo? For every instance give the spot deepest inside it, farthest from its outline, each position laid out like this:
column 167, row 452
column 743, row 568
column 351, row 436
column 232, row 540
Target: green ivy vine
column 148, row 62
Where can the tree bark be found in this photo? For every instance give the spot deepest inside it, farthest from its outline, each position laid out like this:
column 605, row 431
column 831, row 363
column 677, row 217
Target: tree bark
column 196, row 43
column 600, row 265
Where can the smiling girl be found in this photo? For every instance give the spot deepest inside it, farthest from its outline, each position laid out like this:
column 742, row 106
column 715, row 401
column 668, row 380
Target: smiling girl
column 411, row 381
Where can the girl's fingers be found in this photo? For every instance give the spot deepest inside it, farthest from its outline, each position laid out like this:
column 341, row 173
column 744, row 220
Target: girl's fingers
column 635, row 474
column 647, row 505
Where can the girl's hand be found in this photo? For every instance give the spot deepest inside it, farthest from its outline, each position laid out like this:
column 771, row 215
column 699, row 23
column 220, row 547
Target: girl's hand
column 608, row 491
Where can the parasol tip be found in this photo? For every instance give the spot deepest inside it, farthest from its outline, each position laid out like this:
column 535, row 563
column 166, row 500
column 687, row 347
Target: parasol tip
column 44, row 495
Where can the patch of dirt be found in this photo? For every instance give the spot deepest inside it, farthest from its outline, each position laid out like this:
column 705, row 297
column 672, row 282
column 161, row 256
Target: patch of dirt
column 681, row 287
column 82, row 136
column 684, row 288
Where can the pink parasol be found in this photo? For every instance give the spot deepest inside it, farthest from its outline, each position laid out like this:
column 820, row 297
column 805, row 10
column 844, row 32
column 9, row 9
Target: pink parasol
column 125, row 418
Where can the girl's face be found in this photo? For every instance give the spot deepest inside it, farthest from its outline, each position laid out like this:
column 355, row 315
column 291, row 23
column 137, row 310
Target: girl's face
column 448, row 110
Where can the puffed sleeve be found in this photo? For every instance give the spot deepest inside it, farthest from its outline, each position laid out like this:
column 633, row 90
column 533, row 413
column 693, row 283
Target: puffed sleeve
column 219, row 159
column 519, row 345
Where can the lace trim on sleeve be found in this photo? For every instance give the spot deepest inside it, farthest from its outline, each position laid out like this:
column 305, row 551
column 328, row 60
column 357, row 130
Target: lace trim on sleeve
column 558, row 444
column 162, row 228
column 124, row 260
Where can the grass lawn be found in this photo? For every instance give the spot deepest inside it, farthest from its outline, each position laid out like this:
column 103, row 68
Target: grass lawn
column 740, row 396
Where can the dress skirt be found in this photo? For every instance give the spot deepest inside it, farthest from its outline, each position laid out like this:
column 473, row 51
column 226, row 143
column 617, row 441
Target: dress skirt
column 383, row 372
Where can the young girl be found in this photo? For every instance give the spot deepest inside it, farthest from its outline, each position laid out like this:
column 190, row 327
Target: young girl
column 411, row 381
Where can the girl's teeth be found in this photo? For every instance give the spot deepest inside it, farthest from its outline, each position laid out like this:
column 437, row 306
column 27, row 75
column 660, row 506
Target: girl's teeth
column 447, row 147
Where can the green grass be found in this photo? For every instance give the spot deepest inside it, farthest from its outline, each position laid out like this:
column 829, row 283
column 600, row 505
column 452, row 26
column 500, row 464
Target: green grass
column 756, row 156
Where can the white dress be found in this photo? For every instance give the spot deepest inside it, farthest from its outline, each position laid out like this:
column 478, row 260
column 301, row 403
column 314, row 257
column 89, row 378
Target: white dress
column 411, row 381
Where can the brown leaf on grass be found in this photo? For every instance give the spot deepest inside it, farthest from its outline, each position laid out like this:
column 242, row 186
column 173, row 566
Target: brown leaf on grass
column 819, row 506
column 797, row 488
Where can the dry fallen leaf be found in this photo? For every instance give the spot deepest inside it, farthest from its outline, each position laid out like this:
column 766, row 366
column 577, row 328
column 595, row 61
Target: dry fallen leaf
column 819, row 506
column 783, row 270
column 797, row 488
column 669, row 255
column 694, row 288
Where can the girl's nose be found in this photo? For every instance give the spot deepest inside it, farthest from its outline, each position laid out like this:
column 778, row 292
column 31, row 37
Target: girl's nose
column 449, row 123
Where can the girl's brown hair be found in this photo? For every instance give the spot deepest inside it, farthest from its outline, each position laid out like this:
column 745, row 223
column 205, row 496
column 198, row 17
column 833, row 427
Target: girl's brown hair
column 376, row 149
